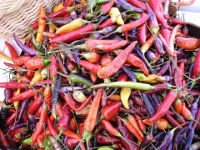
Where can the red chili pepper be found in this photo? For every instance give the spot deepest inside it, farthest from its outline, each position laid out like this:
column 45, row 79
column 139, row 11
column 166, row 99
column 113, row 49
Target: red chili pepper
column 178, row 106
column 106, row 59
column 94, row 68
column 10, row 120
column 34, row 25
column 122, row 77
column 102, row 139
column 41, row 137
column 137, row 3
column 131, row 119
column 117, row 63
column 4, row 139
column 179, row 76
column 112, row 47
column 107, row 23
column 22, row 96
column 133, row 24
column 138, row 100
column 14, row 67
column 71, row 142
column 156, row 6
column 90, row 44
column 187, row 43
column 108, row 126
column 48, row 97
column 72, row 135
column 36, row 62
column 137, row 62
column 186, row 112
column 142, row 33
column 73, row 124
column 30, row 74
column 164, row 106
column 63, row 123
column 132, row 130
column 70, row 2
column 91, row 119
column 105, row 8
column 35, row 104
column 92, row 57
column 166, row 34
column 196, row 67
column 63, row 11
column 110, row 110
column 12, row 85
column 59, row 111
column 13, row 52
column 19, row 61
column 140, row 123
column 51, row 127
column 172, row 121
column 53, row 68
column 40, row 124
column 72, row 104
column 75, row 35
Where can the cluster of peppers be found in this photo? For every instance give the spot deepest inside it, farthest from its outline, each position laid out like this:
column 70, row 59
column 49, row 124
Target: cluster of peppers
column 103, row 74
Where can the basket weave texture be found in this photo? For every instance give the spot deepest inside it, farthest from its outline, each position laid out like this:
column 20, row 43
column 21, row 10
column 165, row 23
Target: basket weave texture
column 17, row 15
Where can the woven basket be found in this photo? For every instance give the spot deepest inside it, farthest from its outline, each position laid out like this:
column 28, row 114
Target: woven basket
column 17, row 15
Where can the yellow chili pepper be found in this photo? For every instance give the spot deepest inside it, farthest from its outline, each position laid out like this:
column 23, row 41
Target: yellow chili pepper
column 152, row 78
column 41, row 25
column 116, row 16
column 2, row 55
column 125, row 94
column 58, row 7
column 36, row 78
column 73, row 25
column 16, row 104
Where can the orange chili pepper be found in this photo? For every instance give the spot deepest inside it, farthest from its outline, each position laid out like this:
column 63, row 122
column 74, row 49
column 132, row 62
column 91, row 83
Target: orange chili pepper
column 41, row 25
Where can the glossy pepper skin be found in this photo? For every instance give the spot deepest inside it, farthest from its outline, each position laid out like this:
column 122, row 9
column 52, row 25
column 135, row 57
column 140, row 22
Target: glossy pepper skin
column 196, row 68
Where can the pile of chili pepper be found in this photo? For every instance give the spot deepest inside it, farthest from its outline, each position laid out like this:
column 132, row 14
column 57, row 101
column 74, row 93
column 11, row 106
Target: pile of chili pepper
column 103, row 74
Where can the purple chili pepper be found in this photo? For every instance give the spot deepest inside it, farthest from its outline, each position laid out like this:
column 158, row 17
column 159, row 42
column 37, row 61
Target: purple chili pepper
column 151, row 57
column 126, row 6
column 190, row 70
column 158, row 45
column 32, row 119
column 156, row 100
column 167, row 78
column 8, row 93
column 74, row 15
column 150, row 109
column 61, row 65
column 75, row 55
column 97, row 36
column 189, row 138
column 19, row 125
column 164, row 68
column 25, row 48
column 55, row 95
column 193, row 110
column 180, row 134
column 146, row 140
column 170, row 147
column 107, row 30
column 22, row 108
column 63, row 21
column 70, row 89
column 129, row 73
column 84, row 11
